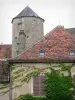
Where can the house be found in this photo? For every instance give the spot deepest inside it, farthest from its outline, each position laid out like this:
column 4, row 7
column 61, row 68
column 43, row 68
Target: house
column 32, row 50
column 5, row 53
column 55, row 47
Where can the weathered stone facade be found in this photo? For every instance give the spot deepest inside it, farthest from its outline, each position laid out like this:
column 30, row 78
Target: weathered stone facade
column 26, row 31
column 32, row 86
column 23, row 69
column 55, row 46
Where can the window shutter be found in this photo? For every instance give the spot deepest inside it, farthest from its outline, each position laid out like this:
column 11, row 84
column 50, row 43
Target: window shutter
column 38, row 85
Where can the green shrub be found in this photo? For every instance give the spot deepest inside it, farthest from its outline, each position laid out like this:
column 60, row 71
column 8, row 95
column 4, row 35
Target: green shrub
column 27, row 97
column 39, row 98
column 58, row 86
column 30, row 97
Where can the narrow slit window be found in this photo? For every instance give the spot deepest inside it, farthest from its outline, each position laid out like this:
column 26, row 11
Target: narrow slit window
column 20, row 23
column 27, row 36
column 15, row 37
column 21, row 32
column 17, row 43
column 17, row 52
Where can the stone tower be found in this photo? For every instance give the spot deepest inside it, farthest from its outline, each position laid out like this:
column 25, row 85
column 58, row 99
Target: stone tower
column 27, row 28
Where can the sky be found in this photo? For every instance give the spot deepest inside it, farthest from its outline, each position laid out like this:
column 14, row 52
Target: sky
column 54, row 12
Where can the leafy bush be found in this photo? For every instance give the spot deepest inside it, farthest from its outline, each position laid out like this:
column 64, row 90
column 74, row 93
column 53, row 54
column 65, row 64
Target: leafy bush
column 27, row 97
column 39, row 98
column 30, row 97
column 58, row 86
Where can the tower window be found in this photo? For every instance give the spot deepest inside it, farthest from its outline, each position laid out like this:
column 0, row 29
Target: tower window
column 17, row 51
column 17, row 43
column 15, row 37
column 20, row 23
column 27, row 36
column 21, row 32
column 72, row 53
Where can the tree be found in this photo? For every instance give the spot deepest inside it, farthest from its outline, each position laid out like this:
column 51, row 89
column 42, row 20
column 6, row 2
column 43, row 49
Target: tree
column 57, row 86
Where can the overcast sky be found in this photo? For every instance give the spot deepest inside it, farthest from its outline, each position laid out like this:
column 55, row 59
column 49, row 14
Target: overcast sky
column 55, row 12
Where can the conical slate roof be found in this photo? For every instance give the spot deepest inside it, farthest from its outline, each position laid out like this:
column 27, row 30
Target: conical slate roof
column 27, row 12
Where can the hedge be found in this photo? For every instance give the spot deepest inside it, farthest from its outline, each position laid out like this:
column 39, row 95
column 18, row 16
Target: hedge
column 27, row 97
column 39, row 98
column 30, row 97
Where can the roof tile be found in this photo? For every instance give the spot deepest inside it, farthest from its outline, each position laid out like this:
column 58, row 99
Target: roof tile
column 27, row 12
column 5, row 51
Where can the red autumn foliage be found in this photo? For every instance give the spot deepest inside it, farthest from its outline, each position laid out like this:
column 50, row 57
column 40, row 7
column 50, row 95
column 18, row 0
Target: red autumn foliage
column 57, row 44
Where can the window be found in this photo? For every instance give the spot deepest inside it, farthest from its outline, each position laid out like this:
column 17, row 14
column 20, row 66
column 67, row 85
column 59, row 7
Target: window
column 27, row 36
column 17, row 43
column 15, row 37
column 21, row 32
column 20, row 23
column 17, row 52
column 72, row 53
column 38, row 85
column 41, row 53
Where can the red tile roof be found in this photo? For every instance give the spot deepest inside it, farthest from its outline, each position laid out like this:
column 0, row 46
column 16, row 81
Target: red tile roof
column 5, row 51
column 56, row 45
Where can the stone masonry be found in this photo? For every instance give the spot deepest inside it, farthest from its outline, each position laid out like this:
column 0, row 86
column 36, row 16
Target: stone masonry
column 26, row 30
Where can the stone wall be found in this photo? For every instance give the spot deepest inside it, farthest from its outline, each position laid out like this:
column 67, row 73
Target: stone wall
column 24, row 69
column 32, row 28
column 27, row 87
column 5, row 96
column 23, row 87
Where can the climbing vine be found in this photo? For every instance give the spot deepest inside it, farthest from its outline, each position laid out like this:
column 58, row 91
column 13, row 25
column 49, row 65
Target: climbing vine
column 21, row 74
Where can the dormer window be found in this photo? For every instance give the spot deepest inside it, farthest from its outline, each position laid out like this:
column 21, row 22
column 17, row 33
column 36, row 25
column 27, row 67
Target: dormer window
column 41, row 53
column 72, row 53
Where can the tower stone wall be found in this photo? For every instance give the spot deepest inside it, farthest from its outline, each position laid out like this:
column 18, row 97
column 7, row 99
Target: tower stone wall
column 25, row 32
